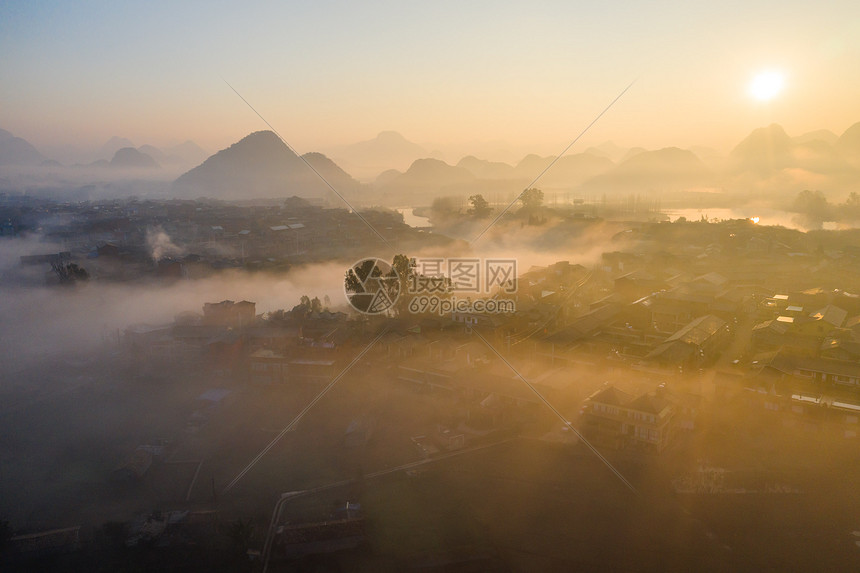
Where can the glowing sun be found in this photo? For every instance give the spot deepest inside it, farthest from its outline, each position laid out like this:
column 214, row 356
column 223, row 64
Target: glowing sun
column 766, row 85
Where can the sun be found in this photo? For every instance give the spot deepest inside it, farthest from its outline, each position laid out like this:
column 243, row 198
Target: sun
column 766, row 85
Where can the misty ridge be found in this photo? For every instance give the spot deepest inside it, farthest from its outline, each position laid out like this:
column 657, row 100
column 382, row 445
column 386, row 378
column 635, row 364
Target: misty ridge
column 117, row 168
column 768, row 167
column 117, row 152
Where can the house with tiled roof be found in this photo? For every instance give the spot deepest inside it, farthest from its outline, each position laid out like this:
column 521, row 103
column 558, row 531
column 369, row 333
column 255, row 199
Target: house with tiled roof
column 615, row 419
column 697, row 343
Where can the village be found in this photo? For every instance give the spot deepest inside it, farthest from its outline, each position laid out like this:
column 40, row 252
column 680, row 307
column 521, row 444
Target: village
column 702, row 360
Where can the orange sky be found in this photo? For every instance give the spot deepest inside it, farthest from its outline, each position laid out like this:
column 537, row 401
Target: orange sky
column 532, row 75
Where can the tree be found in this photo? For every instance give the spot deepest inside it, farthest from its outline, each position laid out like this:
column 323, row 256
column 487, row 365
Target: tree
column 316, row 305
column 70, row 273
column 294, row 203
column 480, row 208
column 405, row 267
column 352, row 283
column 303, row 309
column 532, row 198
column 813, row 207
column 276, row 316
column 443, row 209
column 851, row 208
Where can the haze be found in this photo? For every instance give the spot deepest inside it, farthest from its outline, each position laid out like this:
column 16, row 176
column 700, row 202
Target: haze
column 445, row 75
column 496, row 287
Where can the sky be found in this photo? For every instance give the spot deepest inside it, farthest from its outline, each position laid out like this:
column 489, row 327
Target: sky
column 442, row 73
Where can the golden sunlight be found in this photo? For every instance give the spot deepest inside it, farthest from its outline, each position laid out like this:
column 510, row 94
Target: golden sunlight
column 766, row 85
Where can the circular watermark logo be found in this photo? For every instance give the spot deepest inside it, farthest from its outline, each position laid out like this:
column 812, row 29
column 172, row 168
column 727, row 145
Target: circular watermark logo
column 372, row 286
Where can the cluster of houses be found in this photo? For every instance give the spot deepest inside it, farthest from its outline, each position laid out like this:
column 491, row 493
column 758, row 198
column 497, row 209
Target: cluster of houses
column 438, row 355
column 122, row 240
column 804, row 347
column 802, row 358
column 230, row 336
column 807, row 363
column 668, row 323
column 801, row 365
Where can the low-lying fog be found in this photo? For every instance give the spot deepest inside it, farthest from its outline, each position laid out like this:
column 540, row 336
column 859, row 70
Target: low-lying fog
column 40, row 320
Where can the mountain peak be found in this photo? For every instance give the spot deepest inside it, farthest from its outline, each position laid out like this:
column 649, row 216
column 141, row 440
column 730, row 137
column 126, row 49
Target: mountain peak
column 850, row 140
column 17, row 151
column 764, row 141
column 391, row 136
column 388, row 149
column 262, row 165
column 114, row 144
column 262, row 135
column 261, row 140
column 131, row 158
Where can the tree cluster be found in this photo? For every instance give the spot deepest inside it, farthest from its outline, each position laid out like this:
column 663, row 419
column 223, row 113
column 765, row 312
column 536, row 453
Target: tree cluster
column 814, row 208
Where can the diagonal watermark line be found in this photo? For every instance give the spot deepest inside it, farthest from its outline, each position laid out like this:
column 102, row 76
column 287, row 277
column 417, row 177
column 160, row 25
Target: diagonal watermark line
column 557, row 157
column 289, row 427
column 311, row 167
column 561, row 417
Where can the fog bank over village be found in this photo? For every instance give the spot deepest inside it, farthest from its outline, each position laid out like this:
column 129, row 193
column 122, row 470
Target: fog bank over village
column 179, row 363
column 440, row 288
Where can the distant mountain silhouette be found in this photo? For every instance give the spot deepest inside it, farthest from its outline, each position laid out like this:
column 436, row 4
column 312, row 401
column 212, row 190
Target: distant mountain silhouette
column 188, row 152
column 763, row 151
column 432, row 173
column 184, row 156
column 710, row 156
column 153, row 152
column 330, row 170
column 112, row 145
column 767, row 161
column 824, row 135
column 387, row 177
column 631, row 153
column 425, row 179
column 849, row 144
column 530, row 165
column 17, row 151
column 261, row 165
column 608, row 150
column 669, row 168
column 769, row 150
column 568, row 172
column 819, row 156
column 429, row 178
column 387, row 150
column 483, row 169
column 572, row 170
column 131, row 158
